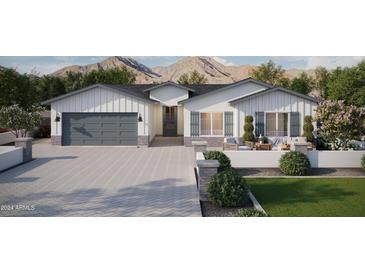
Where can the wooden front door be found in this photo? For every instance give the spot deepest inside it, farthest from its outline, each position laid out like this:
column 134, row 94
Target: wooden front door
column 169, row 121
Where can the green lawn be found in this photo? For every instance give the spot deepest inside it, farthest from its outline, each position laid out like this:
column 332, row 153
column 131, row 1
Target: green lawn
column 310, row 197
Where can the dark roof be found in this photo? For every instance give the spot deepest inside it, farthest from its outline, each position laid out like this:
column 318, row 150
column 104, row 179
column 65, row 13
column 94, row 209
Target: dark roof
column 139, row 90
column 247, row 96
column 123, row 88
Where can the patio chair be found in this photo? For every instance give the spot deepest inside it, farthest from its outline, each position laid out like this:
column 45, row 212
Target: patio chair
column 232, row 143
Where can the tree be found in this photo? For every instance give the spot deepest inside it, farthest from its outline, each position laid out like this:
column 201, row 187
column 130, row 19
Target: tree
column 321, row 80
column 116, row 76
column 20, row 121
column 302, row 84
column 340, row 122
column 50, row 86
column 348, row 84
column 308, row 129
column 17, row 88
column 194, row 78
column 271, row 73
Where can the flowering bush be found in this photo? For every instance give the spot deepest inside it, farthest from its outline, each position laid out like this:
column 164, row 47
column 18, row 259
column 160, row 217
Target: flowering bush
column 339, row 121
column 20, row 121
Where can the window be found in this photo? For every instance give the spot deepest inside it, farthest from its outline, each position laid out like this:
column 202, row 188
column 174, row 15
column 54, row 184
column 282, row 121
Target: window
column 211, row 123
column 205, row 122
column 217, row 121
column 277, row 124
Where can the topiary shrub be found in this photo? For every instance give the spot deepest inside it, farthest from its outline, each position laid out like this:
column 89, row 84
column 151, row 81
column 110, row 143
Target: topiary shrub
column 294, row 163
column 363, row 162
column 308, row 129
column 249, row 212
column 265, row 140
column 248, row 128
column 227, row 189
column 224, row 161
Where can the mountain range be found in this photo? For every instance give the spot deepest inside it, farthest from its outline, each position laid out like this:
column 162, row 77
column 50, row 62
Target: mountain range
column 214, row 71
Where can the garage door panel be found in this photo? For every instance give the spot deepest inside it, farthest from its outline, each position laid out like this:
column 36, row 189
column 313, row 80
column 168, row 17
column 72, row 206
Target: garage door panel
column 99, row 129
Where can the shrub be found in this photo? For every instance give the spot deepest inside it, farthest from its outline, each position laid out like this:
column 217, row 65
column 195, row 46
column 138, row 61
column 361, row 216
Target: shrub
column 363, row 162
column 248, row 212
column 308, row 129
column 227, row 189
column 294, row 163
column 224, row 161
column 248, row 128
column 265, row 140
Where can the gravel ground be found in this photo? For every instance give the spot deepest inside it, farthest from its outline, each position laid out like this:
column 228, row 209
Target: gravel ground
column 326, row 172
column 210, row 210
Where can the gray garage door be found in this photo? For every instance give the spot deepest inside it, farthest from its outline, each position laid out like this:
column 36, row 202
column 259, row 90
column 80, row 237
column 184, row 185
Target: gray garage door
column 106, row 129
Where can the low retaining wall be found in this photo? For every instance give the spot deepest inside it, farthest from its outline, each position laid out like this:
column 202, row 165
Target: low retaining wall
column 10, row 156
column 6, row 137
column 318, row 159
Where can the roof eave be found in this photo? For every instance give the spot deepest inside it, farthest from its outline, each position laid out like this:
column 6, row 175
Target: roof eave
column 246, row 97
column 167, row 84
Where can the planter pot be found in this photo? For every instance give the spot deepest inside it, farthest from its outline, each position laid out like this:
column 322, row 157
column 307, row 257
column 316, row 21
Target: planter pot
column 26, row 144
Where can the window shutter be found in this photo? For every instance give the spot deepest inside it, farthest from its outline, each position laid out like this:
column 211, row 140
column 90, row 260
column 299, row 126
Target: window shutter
column 228, row 123
column 259, row 123
column 194, row 123
column 294, row 124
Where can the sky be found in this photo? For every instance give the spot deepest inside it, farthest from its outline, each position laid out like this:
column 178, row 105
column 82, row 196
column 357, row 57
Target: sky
column 49, row 64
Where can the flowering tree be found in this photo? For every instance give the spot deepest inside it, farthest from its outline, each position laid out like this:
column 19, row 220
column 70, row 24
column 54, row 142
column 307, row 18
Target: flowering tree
column 20, row 121
column 340, row 122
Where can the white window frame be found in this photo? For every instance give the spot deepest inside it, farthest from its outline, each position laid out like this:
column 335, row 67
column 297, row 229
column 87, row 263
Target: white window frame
column 211, row 124
column 277, row 122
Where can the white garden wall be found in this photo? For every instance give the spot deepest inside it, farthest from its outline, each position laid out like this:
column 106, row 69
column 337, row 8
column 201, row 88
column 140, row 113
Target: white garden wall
column 10, row 156
column 6, row 137
column 318, row 159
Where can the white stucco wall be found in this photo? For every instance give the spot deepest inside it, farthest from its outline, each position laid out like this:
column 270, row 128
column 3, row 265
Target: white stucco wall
column 102, row 100
column 6, row 137
column 169, row 95
column 10, row 156
column 218, row 102
column 318, row 159
column 277, row 101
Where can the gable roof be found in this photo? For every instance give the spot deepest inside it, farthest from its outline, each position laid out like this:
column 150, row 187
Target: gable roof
column 118, row 88
column 261, row 92
column 169, row 83
column 224, row 87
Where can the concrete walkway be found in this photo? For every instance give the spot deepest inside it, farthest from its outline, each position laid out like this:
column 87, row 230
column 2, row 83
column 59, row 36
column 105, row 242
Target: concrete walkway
column 102, row 181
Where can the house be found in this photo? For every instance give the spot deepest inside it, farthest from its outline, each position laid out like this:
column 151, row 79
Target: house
column 106, row 114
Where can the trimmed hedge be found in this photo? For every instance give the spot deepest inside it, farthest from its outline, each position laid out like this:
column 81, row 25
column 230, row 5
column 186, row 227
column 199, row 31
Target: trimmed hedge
column 248, row 128
column 294, row 163
column 248, row 212
column 227, row 189
column 363, row 162
column 224, row 161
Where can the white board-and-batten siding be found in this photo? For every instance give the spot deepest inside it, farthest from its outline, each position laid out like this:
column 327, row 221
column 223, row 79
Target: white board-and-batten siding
column 101, row 100
column 276, row 101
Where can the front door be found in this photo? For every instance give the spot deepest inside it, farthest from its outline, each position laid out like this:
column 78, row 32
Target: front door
column 169, row 121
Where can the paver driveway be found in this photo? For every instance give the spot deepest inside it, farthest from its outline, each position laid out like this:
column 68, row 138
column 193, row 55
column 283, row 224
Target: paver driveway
column 102, row 181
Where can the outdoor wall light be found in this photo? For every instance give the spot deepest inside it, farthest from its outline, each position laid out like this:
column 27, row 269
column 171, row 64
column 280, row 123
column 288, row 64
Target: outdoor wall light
column 140, row 118
column 58, row 117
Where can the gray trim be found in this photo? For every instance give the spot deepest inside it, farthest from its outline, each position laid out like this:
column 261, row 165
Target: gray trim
column 259, row 123
column 247, row 80
column 294, row 124
column 194, row 123
column 107, row 86
column 261, row 92
column 228, row 123
column 168, row 83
